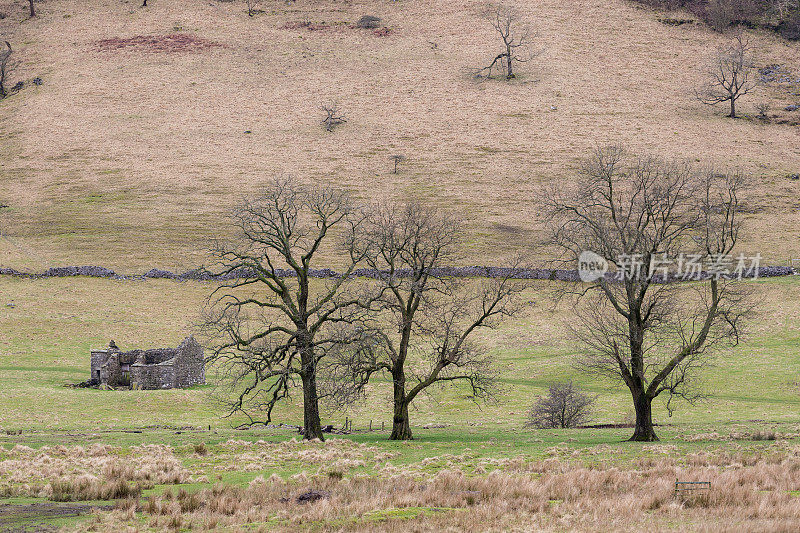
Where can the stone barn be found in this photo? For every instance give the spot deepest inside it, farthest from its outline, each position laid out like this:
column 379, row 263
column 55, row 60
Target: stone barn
column 165, row 368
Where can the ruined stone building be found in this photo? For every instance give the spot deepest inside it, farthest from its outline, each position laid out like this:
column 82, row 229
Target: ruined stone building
column 165, row 368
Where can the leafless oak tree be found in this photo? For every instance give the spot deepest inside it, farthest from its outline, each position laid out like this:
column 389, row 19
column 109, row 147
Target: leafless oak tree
column 565, row 406
column 422, row 322
column 516, row 41
column 269, row 326
column 731, row 75
column 652, row 336
column 6, row 66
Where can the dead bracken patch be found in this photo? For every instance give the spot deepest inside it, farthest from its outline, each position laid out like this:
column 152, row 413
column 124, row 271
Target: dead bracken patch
column 311, row 26
column 173, row 42
column 336, row 27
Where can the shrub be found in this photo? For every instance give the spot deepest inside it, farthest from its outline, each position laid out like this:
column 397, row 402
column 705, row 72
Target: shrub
column 565, row 406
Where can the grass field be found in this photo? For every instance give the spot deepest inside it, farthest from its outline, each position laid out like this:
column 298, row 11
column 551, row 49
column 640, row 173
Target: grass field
column 55, row 322
column 47, row 334
column 130, row 158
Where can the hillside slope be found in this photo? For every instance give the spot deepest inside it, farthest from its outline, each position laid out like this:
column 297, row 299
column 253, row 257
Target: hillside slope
column 129, row 156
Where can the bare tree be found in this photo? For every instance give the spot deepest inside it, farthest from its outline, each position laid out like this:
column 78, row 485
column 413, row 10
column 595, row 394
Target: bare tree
column 639, row 329
column 6, row 66
column 272, row 324
column 333, row 116
column 565, row 406
column 516, row 41
column 397, row 159
column 252, row 10
column 420, row 310
column 731, row 75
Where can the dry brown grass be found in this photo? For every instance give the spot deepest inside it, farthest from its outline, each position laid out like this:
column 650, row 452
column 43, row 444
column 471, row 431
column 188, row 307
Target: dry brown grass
column 174, row 42
column 748, row 493
column 130, row 159
column 96, row 472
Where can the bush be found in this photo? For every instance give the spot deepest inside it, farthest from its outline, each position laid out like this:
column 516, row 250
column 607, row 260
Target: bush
column 565, row 406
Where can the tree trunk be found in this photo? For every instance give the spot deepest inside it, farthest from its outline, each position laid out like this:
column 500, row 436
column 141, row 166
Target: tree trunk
column 33, row 10
column 644, row 431
column 401, row 430
column 509, row 68
column 733, row 108
column 312, row 428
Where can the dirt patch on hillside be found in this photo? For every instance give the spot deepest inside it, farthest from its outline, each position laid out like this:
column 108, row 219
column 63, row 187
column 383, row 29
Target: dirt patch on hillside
column 174, row 42
column 36, row 516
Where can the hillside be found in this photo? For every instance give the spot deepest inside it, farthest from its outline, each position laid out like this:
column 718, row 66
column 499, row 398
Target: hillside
column 131, row 152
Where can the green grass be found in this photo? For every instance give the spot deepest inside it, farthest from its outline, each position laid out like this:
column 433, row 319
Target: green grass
column 39, row 514
column 54, row 323
column 47, row 335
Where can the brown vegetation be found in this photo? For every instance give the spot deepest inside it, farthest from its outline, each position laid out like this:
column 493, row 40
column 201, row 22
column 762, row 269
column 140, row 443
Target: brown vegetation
column 482, row 152
column 96, row 472
column 747, row 492
column 174, row 42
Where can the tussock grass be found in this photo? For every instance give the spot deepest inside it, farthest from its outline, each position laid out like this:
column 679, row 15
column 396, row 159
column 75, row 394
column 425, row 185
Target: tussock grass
column 95, row 472
column 747, row 492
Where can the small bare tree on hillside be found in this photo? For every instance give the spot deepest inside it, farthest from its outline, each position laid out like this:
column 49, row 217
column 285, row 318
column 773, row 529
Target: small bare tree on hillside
column 252, row 8
column 732, row 74
column 634, row 212
column 423, row 321
column 6, row 66
column 565, row 406
column 397, row 159
column 516, row 39
column 333, row 117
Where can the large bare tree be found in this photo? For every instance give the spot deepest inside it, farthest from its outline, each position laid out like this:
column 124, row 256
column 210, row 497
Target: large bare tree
column 272, row 323
column 423, row 321
column 638, row 328
column 731, row 75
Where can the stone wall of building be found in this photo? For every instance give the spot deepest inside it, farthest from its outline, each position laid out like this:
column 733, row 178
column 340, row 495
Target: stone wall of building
column 189, row 364
column 111, row 371
column 164, row 368
column 98, row 358
column 151, row 377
